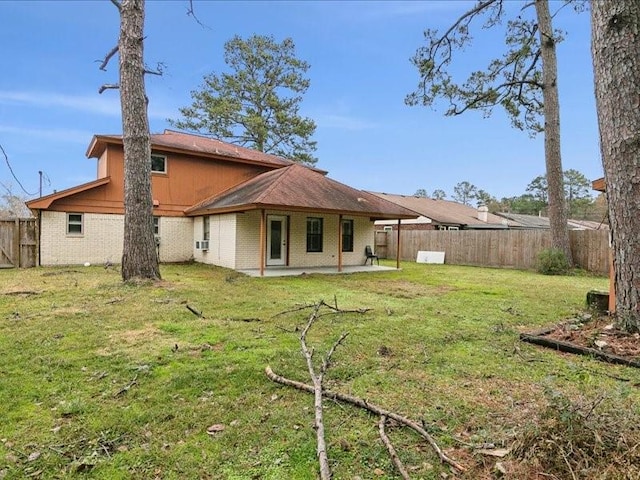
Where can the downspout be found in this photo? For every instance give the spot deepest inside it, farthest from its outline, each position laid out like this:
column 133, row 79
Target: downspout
column 263, row 240
column 398, row 249
column 339, row 243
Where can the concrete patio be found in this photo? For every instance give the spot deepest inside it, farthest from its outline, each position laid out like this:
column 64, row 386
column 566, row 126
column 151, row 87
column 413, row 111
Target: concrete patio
column 288, row 272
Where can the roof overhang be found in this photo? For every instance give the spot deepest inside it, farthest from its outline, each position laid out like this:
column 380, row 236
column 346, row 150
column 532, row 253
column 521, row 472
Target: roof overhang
column 599, row 185
column 45, row 202
column 100, row 142
column 488, row 226
column 421, row 220
column 291, row 208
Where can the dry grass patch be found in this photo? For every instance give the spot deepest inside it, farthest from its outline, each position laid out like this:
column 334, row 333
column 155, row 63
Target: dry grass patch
column 404, row 289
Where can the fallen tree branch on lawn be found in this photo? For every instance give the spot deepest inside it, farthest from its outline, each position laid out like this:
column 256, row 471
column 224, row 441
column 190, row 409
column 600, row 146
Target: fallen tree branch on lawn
column 392, row 451
column 127, row 387
column 195, row 311
column 317, row 378
column 334, row 309
column 569, row 347
column 359, row 402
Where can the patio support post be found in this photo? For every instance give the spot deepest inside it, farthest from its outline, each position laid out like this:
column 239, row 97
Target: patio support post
column 398, row 248
column 340, row 243
column 263, row 240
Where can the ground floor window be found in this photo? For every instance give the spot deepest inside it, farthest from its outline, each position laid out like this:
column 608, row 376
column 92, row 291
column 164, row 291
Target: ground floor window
column 75, row 224
column 314, row 234
column 156, row 226
column 347, row 235
column 206, row 228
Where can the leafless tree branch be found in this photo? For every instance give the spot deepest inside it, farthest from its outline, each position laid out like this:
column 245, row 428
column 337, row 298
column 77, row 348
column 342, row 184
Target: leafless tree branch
column 446, row 39
column 108, row 86
column 191, row 13
column 316, row 378
column 117, row 4
column 468, row 14
column 159, row 70
column 107, row 58
column 359, row 402
column 326, row 361
column 392, row 451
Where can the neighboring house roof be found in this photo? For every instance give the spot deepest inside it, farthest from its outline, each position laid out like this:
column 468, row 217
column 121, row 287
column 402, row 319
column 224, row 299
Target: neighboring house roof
column 299, row 188
column 535, row 222
column 43, row 203
column 188, row 143
column 444, row 212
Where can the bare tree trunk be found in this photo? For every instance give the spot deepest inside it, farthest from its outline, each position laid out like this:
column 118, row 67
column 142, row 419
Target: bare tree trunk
column 615, row 46
column 553, row 160
column 139, row 257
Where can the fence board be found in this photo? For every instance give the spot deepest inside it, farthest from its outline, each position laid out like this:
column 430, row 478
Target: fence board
column 18, row 243
column 497, row 248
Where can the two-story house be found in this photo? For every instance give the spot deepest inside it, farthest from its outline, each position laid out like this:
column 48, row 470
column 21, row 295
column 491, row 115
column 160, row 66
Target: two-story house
column 214, row 203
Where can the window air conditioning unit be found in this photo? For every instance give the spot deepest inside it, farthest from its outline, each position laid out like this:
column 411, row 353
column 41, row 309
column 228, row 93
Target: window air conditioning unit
column 202, row 244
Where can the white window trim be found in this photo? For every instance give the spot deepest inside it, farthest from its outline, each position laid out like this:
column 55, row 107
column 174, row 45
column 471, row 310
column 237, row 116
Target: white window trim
column 68, row 223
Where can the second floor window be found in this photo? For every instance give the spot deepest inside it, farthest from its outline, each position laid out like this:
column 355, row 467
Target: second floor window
column 158, row 163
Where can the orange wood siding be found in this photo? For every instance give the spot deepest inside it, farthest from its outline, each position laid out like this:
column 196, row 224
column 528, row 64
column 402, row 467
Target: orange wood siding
column 599, row 185
column 102, row 166
column 189, row 180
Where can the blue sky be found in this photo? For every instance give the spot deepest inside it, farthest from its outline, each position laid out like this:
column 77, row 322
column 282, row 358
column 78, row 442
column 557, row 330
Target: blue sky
column 360, row 73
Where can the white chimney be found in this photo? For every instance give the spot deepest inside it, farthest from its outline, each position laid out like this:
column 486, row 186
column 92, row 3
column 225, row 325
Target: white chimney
column 483, row 213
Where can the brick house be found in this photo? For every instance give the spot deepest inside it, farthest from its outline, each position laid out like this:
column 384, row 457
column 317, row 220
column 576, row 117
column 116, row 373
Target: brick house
column 214, row 203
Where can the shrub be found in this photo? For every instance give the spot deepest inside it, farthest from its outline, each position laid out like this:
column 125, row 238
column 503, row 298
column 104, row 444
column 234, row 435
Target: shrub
column 552, row 261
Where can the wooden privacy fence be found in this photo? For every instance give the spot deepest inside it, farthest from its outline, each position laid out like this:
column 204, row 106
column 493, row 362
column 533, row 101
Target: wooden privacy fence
column 497, row 248
column 18, row 246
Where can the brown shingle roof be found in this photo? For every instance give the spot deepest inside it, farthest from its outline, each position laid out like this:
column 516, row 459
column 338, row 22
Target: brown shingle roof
column 299, row 188
column 444, row 212
column 524, row 221
column 171, row 140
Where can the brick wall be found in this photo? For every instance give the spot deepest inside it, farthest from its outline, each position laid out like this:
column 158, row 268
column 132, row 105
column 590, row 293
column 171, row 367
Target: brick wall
column 247, row 248
column 222, row 240
column 299, row 257
column 235, row 240
column 102, row 238
column 176, row 239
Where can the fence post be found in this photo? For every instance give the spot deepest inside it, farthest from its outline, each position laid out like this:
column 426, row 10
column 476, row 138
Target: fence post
column 16, row 243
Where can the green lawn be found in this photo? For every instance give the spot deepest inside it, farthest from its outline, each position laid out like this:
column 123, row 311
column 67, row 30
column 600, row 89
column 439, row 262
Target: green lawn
column 104, row 380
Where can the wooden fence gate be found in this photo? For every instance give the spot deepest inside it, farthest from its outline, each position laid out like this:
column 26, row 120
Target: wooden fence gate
column 18, row 245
